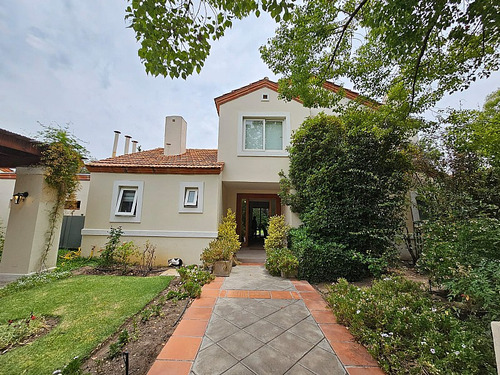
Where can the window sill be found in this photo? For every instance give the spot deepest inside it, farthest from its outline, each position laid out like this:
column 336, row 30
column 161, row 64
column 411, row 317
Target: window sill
column 279, row 153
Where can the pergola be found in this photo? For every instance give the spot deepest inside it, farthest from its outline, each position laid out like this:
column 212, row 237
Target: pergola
column 17, row 150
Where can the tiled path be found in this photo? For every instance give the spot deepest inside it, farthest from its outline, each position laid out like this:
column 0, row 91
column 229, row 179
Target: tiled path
column 253, row 323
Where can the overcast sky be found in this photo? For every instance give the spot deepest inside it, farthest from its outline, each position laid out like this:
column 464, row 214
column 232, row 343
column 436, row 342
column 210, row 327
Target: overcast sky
column 75, row 62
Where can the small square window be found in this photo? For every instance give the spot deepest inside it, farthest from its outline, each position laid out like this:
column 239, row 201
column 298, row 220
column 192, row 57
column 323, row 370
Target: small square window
column 191, row 197
column 265, row 97
column 127, row 202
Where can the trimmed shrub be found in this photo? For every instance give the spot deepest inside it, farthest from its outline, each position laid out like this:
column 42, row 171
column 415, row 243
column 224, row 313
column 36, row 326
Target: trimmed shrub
column 325, row 261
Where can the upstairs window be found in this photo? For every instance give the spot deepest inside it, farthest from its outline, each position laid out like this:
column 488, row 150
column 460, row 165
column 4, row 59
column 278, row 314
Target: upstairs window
column 191, row 197
column 127, row 202
column 263, row 134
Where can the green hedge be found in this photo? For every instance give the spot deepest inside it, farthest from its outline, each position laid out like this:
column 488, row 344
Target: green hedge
column 320, row 260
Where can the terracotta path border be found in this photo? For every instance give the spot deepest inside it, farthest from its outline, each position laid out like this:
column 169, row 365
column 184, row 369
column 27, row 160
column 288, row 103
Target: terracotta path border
column 179, row 353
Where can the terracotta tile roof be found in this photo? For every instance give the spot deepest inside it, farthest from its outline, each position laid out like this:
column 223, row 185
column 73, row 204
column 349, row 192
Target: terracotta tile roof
column 6, row 170
column 193, row 161
column 266, row 82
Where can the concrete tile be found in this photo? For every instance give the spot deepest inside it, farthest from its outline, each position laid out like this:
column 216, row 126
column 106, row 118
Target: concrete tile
column 239, row 369
column 206, row 342
column 299, row 370
column 244, row 319
column 219, row 329
column 321, row 362
column 240, row 344
column 308, row 331
column 261, row 309
column 279, row 303
column 213, row 361
column 285, row 318
column 267, row 360
column 291, row 345
column 264, row 331
column 325, row 345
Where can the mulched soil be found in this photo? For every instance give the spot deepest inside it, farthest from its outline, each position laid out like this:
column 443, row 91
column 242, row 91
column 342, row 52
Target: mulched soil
column 149, row 337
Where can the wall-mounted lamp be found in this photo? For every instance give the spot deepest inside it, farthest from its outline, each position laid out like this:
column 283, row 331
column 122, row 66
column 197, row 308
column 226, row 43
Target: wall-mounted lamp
column 20, row 197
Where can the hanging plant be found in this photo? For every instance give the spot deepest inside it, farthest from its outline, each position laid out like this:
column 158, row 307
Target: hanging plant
column 62, row 158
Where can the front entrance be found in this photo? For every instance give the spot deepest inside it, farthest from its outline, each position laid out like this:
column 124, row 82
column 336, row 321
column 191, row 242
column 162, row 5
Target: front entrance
column 252, row 213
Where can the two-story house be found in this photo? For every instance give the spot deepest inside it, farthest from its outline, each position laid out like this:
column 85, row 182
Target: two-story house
column 175, row 196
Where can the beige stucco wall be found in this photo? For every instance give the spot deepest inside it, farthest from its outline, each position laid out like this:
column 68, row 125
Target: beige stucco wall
column 256, row 168
column 6, row 191
column 82, row 196
column 175, row 234
column 28, row 224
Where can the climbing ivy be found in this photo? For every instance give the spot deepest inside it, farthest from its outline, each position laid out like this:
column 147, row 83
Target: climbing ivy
column 62, row 160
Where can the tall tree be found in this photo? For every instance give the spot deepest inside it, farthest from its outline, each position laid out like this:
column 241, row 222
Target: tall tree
column 431, row 47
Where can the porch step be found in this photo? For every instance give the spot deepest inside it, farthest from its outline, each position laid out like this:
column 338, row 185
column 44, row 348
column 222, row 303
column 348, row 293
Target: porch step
column 248, row 255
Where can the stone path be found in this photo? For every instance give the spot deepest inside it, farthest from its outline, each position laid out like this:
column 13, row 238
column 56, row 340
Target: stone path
column 253, row 323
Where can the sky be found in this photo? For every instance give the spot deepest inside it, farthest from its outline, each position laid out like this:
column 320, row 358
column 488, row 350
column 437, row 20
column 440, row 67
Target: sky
column 74, row 63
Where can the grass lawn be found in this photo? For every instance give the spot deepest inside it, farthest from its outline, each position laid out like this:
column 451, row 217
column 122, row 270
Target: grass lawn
column 90, row 309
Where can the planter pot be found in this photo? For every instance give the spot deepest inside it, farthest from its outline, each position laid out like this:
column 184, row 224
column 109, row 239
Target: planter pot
column 222, row 268
column 289, row 275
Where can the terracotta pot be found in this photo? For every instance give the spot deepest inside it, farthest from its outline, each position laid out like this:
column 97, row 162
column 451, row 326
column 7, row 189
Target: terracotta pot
column 222, row 268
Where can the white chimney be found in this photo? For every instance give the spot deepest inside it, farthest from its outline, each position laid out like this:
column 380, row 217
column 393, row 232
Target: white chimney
column 134, row 147
column 127, row 143
column 175, row 135
column 115, row 143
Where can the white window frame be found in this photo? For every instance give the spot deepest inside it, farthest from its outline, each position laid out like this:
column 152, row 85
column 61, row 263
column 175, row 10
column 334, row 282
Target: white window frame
column 272, row 116
column 123, row 217
column 120, row 198
column 184, row 188
column 187, row 203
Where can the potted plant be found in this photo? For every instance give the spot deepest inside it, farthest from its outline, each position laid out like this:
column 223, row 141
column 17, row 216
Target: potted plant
column 219, row 253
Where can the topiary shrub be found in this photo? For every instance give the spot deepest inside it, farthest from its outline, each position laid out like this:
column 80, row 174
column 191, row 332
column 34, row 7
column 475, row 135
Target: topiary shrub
column 325, row 261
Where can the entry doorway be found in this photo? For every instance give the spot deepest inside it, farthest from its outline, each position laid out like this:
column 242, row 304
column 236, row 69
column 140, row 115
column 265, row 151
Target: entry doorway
column 253, row 213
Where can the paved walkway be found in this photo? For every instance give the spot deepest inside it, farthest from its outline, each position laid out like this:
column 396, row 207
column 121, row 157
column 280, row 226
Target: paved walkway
column 253, row 323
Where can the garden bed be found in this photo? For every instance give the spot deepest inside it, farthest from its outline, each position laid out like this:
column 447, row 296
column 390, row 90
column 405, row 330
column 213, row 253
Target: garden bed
column 148, row 335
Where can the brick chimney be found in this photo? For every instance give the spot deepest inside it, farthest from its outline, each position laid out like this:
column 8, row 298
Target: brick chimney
column 175, row 135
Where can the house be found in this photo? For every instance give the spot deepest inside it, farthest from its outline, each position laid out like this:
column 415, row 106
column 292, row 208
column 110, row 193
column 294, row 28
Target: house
column 175, row 196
